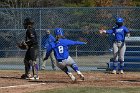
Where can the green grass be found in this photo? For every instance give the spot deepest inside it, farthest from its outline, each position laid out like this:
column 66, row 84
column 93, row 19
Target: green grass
column 92, row 90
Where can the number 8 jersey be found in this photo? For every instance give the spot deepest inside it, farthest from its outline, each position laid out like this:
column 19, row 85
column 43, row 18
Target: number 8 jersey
column 60, row 48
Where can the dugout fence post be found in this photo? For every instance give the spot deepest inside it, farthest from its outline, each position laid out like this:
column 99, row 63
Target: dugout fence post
column 40, row 38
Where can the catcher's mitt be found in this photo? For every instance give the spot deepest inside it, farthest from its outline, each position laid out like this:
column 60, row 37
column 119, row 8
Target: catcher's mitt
column 22, row 45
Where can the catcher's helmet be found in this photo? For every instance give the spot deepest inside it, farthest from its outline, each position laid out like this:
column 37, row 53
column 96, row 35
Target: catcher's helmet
column 27, row 21
column 119, row 20
column 59, row 31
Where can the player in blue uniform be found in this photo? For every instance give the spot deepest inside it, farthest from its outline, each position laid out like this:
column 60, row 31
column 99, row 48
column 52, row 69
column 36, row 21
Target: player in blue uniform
column 48, row 38
column 60, row 48
column 119, row 46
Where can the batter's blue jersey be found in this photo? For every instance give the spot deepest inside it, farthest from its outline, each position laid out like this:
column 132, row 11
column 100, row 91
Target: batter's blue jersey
column 119, row 33
column 60, row 48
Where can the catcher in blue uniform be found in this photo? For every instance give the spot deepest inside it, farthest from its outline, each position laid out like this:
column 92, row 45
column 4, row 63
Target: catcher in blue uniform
column 119, row 46
column 60, row 48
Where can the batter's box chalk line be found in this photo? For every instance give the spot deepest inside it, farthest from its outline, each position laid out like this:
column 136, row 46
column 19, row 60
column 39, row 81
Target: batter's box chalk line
column 27, row 85
column 130, row 81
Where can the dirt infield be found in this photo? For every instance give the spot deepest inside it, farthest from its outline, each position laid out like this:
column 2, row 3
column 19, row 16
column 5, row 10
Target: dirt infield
column 10, row 81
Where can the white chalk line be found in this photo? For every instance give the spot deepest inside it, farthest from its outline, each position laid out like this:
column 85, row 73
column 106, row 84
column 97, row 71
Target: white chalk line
column 27, row 85
column 128, row 81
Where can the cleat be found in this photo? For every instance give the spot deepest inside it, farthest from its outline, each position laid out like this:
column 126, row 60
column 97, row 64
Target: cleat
column 28, row 76
column 121, row 72
column 25, row 76
column 31, row 78
column 72, row 77
column 35, row 77
column 81, row 76
column 114, row 72
column 43, row 68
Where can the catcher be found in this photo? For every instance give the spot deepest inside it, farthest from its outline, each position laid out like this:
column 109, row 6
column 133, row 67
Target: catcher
column 31, row 45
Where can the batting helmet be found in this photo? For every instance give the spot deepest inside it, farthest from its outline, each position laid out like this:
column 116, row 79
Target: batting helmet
column 121, row 20
column 59, row 31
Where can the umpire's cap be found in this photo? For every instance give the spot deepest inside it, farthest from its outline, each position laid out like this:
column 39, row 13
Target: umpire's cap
column 59, row 31
column 119, row 20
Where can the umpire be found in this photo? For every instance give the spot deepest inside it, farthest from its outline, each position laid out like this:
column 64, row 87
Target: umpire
column 31, row 53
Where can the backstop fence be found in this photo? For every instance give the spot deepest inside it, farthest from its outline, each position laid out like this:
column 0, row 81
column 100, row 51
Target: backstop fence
column 78, row 24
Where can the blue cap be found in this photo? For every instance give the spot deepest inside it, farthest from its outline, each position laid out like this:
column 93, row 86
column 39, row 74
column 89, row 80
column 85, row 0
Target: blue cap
column 58, row 31
column 119, row 19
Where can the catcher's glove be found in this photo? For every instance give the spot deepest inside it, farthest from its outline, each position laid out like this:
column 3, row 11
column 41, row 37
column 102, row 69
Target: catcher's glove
column 22, row 45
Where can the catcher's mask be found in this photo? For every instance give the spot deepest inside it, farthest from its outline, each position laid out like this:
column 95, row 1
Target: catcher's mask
column 27, row 21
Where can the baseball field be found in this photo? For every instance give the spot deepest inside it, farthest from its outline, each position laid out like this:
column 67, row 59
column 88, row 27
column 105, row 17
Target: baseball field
column 58, row 82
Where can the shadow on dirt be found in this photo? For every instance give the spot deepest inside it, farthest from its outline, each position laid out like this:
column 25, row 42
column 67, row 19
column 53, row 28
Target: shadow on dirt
column 9, row 77
column 41, row 81
column 131, row 80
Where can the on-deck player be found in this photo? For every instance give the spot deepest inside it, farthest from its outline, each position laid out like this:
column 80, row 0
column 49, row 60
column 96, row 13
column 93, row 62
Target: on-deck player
column 119, row 46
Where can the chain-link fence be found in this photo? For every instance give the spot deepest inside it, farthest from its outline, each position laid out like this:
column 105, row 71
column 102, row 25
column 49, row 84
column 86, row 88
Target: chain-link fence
column 79, row 24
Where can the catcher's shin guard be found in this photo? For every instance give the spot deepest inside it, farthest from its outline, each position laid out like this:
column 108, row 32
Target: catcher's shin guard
column 34, row 67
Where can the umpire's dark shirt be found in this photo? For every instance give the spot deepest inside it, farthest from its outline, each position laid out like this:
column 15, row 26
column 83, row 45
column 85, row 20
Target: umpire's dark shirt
column 31, row 37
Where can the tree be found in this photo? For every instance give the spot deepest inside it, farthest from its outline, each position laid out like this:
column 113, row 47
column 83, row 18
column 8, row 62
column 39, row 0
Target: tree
column 103, row 3
column 67, row 3
column 14, row 3
column 51, row 3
